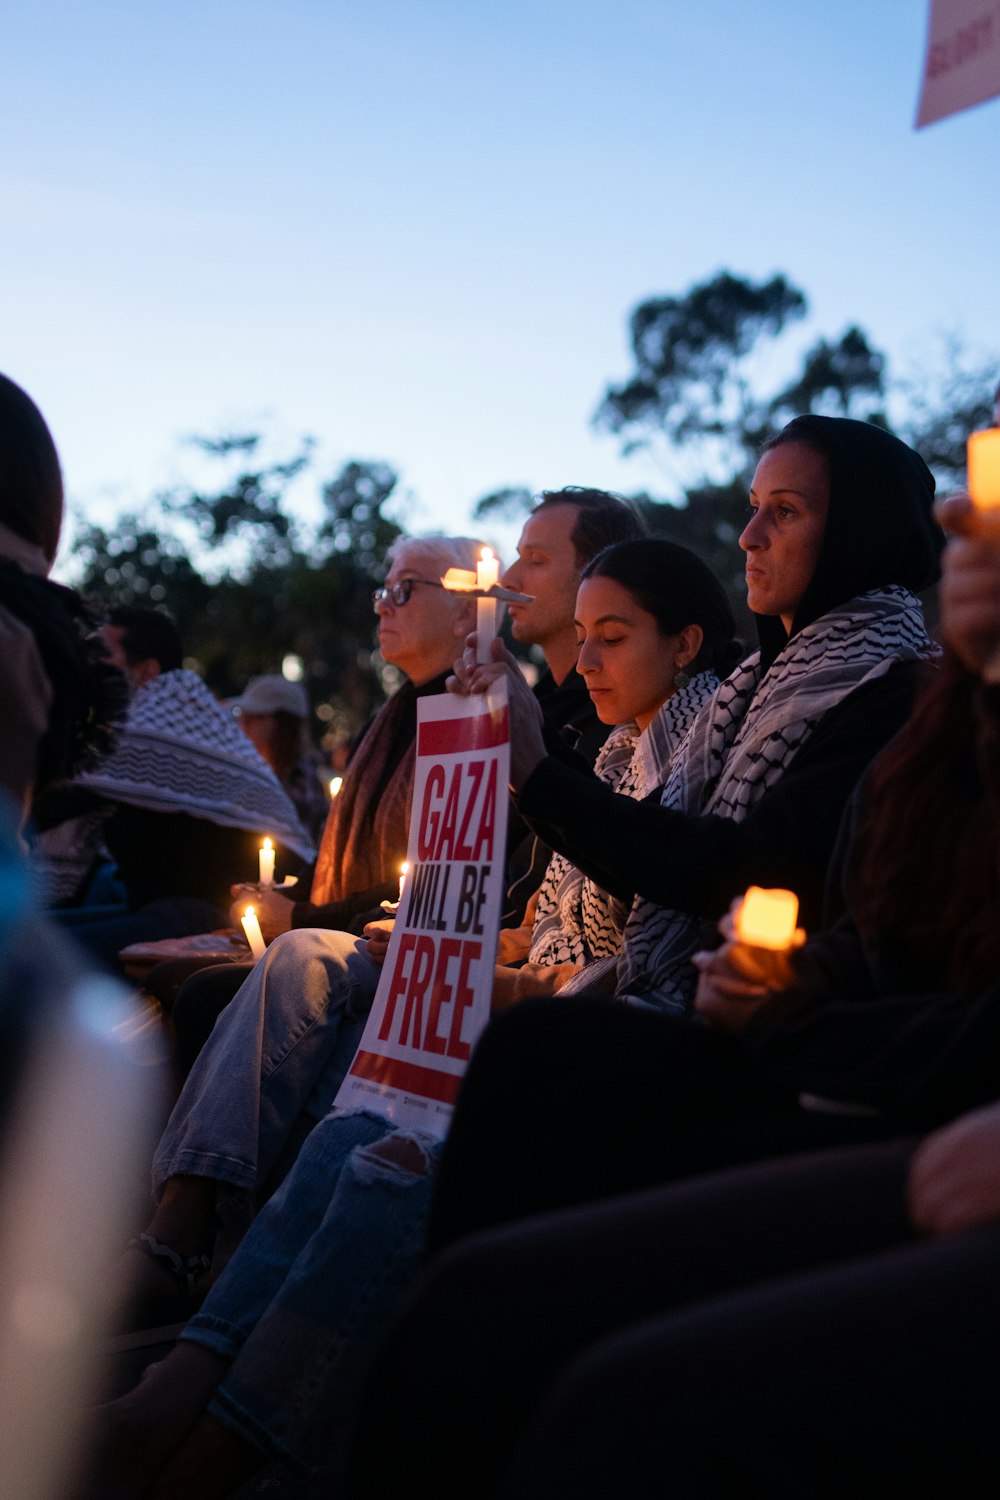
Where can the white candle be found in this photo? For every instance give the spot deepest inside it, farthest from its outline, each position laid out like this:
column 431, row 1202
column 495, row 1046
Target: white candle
column 404, row 870
column 267, row 863
column 766, row 919
column 487, row 574
column 254, row 935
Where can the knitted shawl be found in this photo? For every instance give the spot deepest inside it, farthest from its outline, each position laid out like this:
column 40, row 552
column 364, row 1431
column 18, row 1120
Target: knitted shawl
column 364, row 840
column 575, row 920
column 180, row 751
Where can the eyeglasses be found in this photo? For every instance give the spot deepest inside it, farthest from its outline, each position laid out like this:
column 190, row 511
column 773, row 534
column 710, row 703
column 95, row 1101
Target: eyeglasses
column 399, row 593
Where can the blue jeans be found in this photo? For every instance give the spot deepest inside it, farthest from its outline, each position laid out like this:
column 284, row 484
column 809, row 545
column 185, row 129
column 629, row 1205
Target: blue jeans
column 280, row 1049
column 308, row 1296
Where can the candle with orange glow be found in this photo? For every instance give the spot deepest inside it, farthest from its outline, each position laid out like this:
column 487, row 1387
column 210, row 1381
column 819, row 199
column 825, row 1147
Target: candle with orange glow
column 267, row 863
column 254, row 936
column 460, row 580
column 983, row 455
column 487, row 575
column 766, row 919
column 404, row 870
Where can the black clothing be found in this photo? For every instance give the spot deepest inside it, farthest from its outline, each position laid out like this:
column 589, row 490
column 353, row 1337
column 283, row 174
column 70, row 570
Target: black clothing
column 771, row 1331
column 699, row 864
column 568, row 706
column 571, row 724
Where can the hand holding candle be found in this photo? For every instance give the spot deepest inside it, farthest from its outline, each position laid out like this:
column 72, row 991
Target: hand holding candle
column 267, row 863
column 254, row 936
column 487, row 576
column 970, row 585
column 739, row 979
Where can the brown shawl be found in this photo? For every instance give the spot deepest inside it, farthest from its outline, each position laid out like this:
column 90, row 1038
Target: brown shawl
column 364, row 841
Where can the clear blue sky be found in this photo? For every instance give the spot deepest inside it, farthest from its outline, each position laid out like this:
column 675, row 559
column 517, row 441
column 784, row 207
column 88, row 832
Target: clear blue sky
column 415, row 230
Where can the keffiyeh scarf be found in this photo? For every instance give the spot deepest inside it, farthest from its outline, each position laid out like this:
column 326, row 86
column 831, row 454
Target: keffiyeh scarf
column 180, row 751
column 739, row 748
column 575, row 920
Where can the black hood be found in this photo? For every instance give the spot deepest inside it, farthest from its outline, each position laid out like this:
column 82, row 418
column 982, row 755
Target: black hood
column 880, row 528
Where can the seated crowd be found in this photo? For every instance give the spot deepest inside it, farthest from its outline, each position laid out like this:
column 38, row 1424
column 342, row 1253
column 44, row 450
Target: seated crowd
column 705, row 1212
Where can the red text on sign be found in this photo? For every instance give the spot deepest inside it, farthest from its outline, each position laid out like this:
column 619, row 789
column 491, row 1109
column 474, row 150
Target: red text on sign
column 429, row 994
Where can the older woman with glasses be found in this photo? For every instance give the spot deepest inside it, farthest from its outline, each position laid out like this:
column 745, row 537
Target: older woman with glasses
column 420, row 627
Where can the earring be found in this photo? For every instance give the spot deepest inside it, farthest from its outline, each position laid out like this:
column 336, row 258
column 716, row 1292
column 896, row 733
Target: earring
column 681, row 679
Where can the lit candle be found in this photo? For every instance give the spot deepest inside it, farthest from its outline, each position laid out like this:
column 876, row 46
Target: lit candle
column 404, row 870
column 254, row 935
column 766, row 919
column 336, row 782
column 267, row 863
column 487, row 576
column 983, row 454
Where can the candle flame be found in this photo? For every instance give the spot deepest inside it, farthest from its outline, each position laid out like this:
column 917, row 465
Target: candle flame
column 487, row 554
column 336, row 782
column 404, row 868
column 249, row 911
column 268, row 844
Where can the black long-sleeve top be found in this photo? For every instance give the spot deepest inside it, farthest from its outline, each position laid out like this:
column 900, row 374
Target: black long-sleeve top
column 698, row 864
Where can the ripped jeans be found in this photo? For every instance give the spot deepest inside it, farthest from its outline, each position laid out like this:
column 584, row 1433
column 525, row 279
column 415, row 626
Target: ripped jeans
column 309, row 1294
column 279, row 1051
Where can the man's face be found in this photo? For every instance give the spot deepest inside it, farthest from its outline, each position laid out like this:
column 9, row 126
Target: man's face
column 135, row 673
column 423, row 636
column 546, row 568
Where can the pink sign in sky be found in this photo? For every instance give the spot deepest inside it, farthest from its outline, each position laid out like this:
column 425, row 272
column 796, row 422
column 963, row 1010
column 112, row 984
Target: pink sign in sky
column 962, row 66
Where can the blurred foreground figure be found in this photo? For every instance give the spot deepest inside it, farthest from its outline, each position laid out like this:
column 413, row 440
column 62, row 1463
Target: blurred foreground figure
column 77, row 1107
column 74, row 1099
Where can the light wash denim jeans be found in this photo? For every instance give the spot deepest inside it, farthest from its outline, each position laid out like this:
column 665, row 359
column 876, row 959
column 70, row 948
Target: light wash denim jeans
column 310, row 1292
column 280, row 1049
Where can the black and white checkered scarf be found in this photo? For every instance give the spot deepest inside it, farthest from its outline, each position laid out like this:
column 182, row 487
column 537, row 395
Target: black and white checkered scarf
column 180, row 751
column 575, row 920
column 738, row 748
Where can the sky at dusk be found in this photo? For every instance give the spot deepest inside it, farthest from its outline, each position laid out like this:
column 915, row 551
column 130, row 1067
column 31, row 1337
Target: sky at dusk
column 415, row 231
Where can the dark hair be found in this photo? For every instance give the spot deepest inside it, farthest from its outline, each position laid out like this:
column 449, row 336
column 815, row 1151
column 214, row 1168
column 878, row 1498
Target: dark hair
column 31, row 487
column 288, row 742
column 673, row 585
column 602, row 518
column 924, row 871
column 148, row 634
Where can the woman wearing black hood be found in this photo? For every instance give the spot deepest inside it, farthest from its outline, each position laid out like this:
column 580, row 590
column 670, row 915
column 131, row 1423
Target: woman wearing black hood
column 840, row 539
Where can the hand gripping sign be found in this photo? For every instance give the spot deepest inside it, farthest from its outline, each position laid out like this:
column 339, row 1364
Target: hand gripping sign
column 434, row 994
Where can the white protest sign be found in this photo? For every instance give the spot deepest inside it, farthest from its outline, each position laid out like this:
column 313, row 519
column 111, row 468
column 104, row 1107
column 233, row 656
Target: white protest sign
column 962, row 66
column 434, row 994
